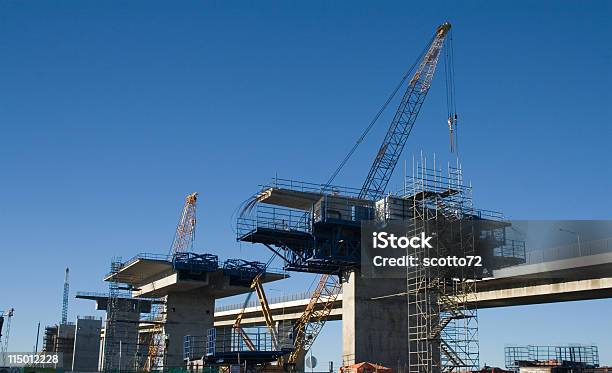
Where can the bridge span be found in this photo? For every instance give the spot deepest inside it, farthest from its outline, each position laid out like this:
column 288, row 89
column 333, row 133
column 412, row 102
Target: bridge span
column 572, row 279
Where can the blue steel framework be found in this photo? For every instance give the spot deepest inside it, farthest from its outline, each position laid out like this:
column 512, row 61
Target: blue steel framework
column 243, row 272
column 227, row 346
column 584, row 356
column 325, row 237
column 192, row 262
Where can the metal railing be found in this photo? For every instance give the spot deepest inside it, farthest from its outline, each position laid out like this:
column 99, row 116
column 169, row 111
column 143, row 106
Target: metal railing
column 194, row 347
column 588, row 355
column 511, row 249
column 586, row 248
column 276, row 218
column 123, row 296
column 230, row 340
column 137, row 257
column 302, row 186
column 271, row 301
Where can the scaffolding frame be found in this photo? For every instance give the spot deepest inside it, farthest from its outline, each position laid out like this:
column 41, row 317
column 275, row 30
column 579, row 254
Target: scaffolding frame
column 154, row 341
column 442, row 331
column 121, row 349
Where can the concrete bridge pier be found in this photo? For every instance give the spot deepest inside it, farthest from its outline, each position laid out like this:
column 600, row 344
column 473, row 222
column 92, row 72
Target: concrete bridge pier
column 187, row 313
column 374, row 330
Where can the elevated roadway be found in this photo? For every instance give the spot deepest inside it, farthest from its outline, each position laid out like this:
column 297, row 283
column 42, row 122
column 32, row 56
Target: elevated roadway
column 573, row 279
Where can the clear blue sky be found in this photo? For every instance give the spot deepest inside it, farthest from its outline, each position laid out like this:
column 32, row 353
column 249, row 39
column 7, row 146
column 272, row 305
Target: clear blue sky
column 112, row 111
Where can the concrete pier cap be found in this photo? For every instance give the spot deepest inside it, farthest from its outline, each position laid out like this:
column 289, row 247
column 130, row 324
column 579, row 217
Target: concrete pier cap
column 189, row 291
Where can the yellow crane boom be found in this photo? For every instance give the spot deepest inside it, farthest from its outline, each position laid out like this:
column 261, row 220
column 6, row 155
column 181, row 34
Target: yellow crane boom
column 183, row 241
column 257, row 286
column 185, row 229
column 311, row 322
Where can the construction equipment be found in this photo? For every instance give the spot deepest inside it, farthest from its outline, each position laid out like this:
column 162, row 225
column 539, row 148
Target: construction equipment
column 311, row 322
column 257, row 287
column 183, row 241
column 5, row 321
column 326, row 293
column 325, row 236
column 306, row 328
column 390, row 150
column 184, row 236
column 65, row 299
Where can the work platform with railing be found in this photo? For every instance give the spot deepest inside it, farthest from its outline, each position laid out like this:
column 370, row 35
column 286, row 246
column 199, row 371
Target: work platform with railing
column 577, row 356
column 181, row 290
column 317, row 228
column 226, row 346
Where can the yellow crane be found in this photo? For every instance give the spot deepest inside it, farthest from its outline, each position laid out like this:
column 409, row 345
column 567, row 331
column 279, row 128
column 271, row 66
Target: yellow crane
column 257, row 287
column 311, row 322
column 307, row 327
column 185, row 229
column 184, row 238
column 321, row 303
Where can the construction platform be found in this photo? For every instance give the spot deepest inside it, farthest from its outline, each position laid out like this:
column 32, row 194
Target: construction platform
column 187, row 284
column 226, row 346
column 153, row 276
column 317, row 228
column 143, row 305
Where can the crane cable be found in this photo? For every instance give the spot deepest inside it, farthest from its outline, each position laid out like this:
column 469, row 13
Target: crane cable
column 379, row 113
column 449, row 75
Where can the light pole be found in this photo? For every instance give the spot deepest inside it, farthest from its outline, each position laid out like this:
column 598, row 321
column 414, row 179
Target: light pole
column 577, row 237
column 120, row 356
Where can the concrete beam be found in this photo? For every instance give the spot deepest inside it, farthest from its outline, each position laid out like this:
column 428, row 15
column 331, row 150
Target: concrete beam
column 505, row 297
column 545, row 293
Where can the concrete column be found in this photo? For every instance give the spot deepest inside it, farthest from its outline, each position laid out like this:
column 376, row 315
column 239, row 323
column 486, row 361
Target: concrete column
column 187, row 313
column 121, row 339
column 86, row 345
column 374, row 330
column 64, row 344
